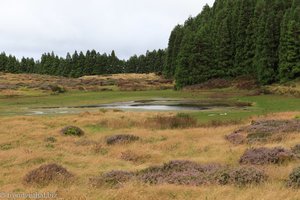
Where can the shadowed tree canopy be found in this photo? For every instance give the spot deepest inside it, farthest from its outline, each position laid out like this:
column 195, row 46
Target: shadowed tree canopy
column 257, row 38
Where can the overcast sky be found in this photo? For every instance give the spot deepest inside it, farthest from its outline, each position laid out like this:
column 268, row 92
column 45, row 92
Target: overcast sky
column 32, row 27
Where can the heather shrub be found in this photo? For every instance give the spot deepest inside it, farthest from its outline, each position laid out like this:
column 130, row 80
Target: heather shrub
column 247, row 175
column 50, row 139
column 46, row 174
column 261, row 156
column 134, row 157
column 258, row 136
column 56, row 89
column 274, row 126
column 235, row 138
column 85, row 142
column 112, row 178
column 183, row 172
column 179, row 172
column 181, row 120
column 121, row 139
column 294, row 178
column 72, row 131
column 263, row 131
column 296, row 149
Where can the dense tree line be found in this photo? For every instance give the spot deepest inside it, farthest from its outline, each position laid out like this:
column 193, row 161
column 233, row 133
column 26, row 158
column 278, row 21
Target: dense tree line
column 80, row 64
column 258, row 38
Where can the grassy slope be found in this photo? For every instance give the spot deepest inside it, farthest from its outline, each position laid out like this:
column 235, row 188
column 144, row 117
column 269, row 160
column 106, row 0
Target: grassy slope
column 23, row 148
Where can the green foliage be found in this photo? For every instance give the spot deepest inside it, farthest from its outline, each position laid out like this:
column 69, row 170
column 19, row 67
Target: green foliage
column 257, row 38
column 151, row 62
column 80, row 64
column 72, row 131
column 289, row 67
column 294, row 178
column 234, row 38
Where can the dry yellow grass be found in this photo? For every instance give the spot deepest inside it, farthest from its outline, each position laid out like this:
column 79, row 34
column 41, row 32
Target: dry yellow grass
column 150, row 76
column 23, row 148
column 127, row 82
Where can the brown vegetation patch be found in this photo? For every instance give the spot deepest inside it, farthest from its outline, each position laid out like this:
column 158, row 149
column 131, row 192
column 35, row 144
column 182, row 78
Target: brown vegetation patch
column 121, row 139
column 261, row 156
column 85, row 142
column 181, row 120
column 134, row 157
column 247, row 175
column 46, row 174
column 51, row 139
column 113, row 179
column 236, row 138
column 264, row 130
column 211, row 84
column 287, row 90
column 294, row 178
column 273, row 126
column 182, row 172
column 99, row 149
column 72, row 131
column 246, row 83
column 58, row 84
column 296, row 150
column 217, row 123
column 243, row 83
column 150, row 82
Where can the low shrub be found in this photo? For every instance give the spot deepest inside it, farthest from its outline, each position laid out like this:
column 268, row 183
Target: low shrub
column 247, row 175
column 258, row 137
column 217, row 123
column 183, row 172
column 296, row 149
column 121, row 139
column 294, row 178
column 246, row 84
column 235, row 138
column 46, row 174
column 261, row 156
column 133, row 157
column 57, row 89
column 72, row 131
column 181, row 120
column 86, row 142
column 51, row 139
column 264, row 130
column 180, row 172
column 112, row 178
column 99, row 149
column 211, row 84
column 273, row 126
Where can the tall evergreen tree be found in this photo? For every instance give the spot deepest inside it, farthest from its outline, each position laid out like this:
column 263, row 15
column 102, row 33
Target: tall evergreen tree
column 290, row 44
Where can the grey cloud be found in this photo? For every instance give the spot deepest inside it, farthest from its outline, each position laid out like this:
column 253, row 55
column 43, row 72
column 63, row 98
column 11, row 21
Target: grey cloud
column 32, row 27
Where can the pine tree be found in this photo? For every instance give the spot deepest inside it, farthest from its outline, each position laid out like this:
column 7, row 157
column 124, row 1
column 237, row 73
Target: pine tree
column 3, row 61
column 173, row 51
column 290, row 44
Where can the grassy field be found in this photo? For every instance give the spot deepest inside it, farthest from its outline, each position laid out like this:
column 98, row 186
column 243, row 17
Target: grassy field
column 262, row 104
column 25, row 143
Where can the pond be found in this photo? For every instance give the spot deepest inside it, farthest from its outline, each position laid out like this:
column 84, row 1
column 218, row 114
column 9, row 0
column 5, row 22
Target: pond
column 141, row 105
